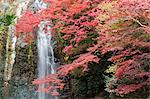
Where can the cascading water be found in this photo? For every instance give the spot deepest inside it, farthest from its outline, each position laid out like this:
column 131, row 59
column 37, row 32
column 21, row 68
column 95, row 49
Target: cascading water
column 46, row 63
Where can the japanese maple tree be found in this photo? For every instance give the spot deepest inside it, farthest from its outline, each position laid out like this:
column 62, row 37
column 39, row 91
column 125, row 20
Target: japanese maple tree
column 89, row 26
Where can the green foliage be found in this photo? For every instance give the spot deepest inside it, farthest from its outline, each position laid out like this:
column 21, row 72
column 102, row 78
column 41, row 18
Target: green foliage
column 89, row 39
column 2, row 28
column 147, row 35
column 7, row 19
column 92, row 82
column 118, row 25
column 86, row 41
column 87, row 84
column 92, row 35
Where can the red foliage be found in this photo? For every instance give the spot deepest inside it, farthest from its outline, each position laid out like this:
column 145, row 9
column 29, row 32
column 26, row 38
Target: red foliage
column 52, row 83
column 73, row 18
column 82, row 61
column 125, row 89
column 123, row 28
column 119, row 24
column 27, row 22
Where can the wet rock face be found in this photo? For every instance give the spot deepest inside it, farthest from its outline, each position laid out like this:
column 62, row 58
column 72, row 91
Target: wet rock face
column 2, row 58
column 24, row 71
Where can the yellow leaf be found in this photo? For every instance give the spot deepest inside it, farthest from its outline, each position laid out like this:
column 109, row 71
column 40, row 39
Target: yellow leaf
column 111, row 69
column 66, row 58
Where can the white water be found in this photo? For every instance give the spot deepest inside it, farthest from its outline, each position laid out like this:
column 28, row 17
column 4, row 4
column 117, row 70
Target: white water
column 46, row 63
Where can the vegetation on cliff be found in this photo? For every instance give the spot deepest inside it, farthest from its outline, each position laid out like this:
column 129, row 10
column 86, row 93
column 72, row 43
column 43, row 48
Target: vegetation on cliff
column 103, row 46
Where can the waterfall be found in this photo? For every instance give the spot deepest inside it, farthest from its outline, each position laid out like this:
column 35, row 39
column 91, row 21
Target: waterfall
column 46, row 62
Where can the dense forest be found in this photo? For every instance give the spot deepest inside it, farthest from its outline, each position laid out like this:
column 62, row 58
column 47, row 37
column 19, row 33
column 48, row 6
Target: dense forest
column 74, row 49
